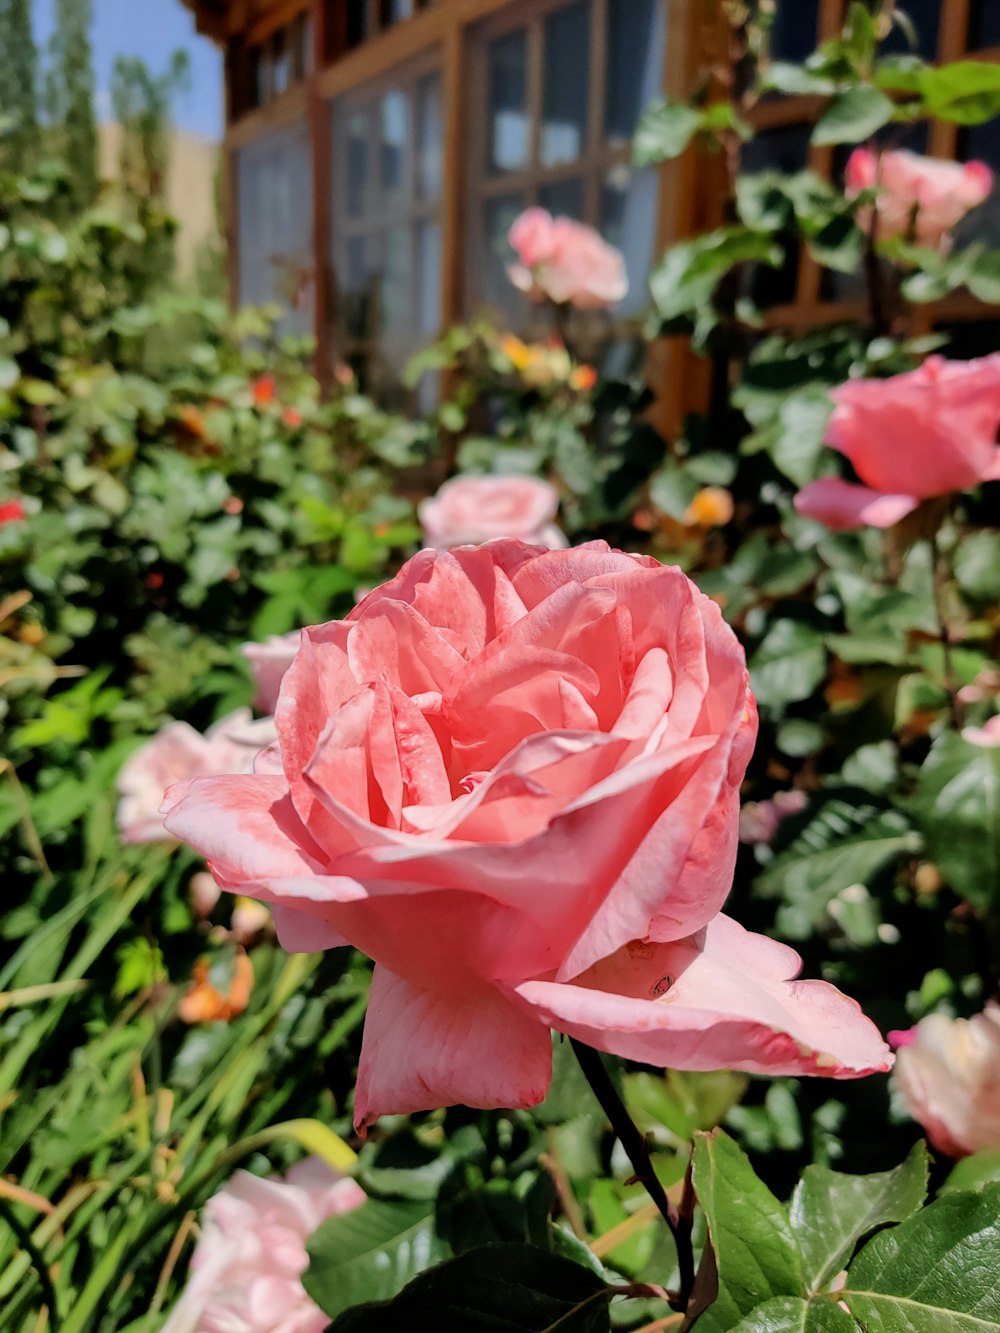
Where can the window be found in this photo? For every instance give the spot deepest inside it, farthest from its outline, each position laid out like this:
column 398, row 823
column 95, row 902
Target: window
column 274, row 190
column 387, row 175
column 557, row 90
column 355, row 21
column 277, row 63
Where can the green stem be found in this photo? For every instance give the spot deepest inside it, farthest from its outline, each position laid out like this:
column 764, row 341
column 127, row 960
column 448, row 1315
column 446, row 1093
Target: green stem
column 634, row 1143
column 939, row 579
column 37, row 1261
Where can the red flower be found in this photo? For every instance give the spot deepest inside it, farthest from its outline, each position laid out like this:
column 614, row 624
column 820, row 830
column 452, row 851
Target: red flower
column 12, row 511
column 263, row 390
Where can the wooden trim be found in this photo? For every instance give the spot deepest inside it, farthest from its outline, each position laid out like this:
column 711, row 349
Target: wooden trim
column 281, row 13
column 289, row 107
column 322, row 192
column 230, row 224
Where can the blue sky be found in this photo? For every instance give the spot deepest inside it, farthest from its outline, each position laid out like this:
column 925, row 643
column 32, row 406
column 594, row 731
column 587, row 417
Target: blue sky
column 152, row 29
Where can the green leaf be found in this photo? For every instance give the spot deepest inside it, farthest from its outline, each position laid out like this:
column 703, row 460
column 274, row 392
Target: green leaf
column 830, row 1211
column 687, row 276
column 977, row 565
column 796, row 80
column 973, row 1172
column 847, row 842
column 665, row 129
column 493, row 1289
column 853, row 115
column 755, row 1249
column 958, row 800
column 370, row 1253
column 966, row 92
column 791, row 1314
column 788, row 665
column 936, row 1273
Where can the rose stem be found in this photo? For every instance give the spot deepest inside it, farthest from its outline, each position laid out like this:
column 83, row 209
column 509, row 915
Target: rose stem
column 939, row 579
column 634, row 1143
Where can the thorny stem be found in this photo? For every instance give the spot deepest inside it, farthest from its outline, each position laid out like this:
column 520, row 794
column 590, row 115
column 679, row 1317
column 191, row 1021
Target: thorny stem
column 634, row 1143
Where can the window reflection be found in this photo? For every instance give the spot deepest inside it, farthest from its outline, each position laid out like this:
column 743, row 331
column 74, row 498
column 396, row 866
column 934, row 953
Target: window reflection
column 274, row 188
column 564, row 85
column 392, row 146
column 430, row 136
column 563, row 197
column 508, row 115
column 497, row 289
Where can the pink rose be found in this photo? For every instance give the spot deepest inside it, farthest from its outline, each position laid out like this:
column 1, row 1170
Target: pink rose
column 176, row 752
column 512, row 778
column 469, row 510
column 269, row 661
column 928, row 432
column 760, row 820
column 566, row 262
column 247, row 1266
column 949, row 1078
column 987, row 735
column 919, row 198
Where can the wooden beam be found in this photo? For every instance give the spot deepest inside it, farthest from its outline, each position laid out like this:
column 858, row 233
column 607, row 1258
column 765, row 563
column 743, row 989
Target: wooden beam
column 455, row 150
column 322, row 194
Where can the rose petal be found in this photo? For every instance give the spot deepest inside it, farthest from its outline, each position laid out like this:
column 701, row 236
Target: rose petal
column 841, row 505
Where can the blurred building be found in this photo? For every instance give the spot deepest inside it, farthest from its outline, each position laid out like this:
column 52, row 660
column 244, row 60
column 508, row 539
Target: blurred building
column 191, row 189
column 377, row 150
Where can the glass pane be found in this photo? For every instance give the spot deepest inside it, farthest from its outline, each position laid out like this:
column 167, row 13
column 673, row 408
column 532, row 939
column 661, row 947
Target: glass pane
column 357, row 22
column 563, row 197
column 429, row 273
column 356, row 288
column 635, row 63
column 430, row 137
column 628, row 220
column 356, row 163
column 925, row 15
column 497, row 289
column 397, row 285
column 281, row 63
column 564, row 88
column 260, row 70
column 274, row 185
column 984, row 24
column 395, row 10
column 508, row 115
column 392, row 141
column 981, row 143
column 784, row 149
column 794, row 31
column 970, row 338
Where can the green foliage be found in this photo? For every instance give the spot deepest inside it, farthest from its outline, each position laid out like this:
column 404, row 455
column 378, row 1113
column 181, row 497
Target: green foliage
column 69, row 96
column 958, row 801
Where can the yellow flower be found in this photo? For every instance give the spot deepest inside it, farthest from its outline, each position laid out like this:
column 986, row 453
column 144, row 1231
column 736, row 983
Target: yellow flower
column 712, row 507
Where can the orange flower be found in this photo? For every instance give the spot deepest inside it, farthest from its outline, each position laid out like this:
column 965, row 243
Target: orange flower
column 292, row 417
column 844, row 688
column 193, row 419
column 712, row 507
column 583, row 378
column 263, row 390
column 518, row 353
column 203, row 1002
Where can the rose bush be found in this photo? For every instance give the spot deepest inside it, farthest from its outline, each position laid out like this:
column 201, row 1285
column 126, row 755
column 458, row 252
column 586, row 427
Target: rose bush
column 918, row 198
column 247, row 1266
column 512, row 778
column 565, row 262
column 476, row 509
column 925, row 433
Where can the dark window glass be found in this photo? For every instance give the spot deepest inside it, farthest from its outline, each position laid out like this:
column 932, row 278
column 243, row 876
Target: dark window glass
column 430, row 137
column 357, row 22
column 635, row 64
column 258, row 77
column 793, row 32
column 281, row 63
column 357, row 163
column 984, row 24
column 628, row 221
column 496, row 288
column 564, row 96
column 393, row 11
column 563, row 198
column 925, row 16
column 784, row 149
column 508, row 113
column 981, row 143
column 392, row 145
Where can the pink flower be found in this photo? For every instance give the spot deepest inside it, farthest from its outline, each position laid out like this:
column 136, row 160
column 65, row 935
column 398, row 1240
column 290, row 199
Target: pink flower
column 247, row 1266
column 987, row 735
column 176, row 752
column 469, row 510
column 269, row 661
column 565, row 261
column 759, row 820
column 511, row 777
column 919, row 198
column 12, row 511
column 949, row 1078
column 928, row 432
